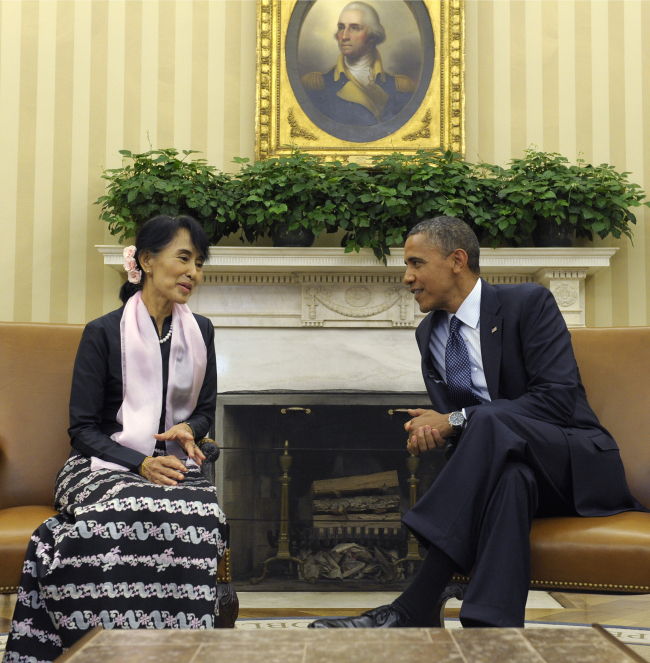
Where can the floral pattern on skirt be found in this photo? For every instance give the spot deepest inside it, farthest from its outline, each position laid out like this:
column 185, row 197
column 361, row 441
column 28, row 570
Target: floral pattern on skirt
column 123, row 553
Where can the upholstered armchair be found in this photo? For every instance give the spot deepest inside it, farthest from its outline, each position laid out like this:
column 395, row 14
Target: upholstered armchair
column 610, row 554
column 36, row 362
column 226, row 595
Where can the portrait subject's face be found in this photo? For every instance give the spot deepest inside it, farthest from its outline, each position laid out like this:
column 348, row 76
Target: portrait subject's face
column 353, row 36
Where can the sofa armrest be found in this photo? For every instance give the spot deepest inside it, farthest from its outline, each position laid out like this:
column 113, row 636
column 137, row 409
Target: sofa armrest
column 212, row 452
column 210, row 449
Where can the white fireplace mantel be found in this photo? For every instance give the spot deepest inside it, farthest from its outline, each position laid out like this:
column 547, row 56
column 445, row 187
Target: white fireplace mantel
column 254, row 259
column 248, row 286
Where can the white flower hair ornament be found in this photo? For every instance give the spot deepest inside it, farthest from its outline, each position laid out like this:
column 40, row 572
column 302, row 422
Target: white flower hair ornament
column 134, row 274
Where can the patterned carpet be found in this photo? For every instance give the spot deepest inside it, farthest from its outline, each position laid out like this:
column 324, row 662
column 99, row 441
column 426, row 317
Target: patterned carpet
column 626, row 634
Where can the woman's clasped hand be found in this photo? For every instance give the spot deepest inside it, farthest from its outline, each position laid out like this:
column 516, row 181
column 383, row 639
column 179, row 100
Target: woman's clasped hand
column 163, row 470
column 169, row 470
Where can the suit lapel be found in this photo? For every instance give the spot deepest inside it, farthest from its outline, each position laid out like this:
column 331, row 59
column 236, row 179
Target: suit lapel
column 427, row 326
column 491, row 337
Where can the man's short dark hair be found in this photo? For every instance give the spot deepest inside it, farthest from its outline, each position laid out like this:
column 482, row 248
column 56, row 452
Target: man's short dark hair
column 447, row 233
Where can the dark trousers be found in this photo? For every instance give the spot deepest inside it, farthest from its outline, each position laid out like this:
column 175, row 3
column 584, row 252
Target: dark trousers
column 506, row 469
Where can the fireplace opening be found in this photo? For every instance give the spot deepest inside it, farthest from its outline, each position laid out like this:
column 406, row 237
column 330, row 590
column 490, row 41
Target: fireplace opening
column 341, row 460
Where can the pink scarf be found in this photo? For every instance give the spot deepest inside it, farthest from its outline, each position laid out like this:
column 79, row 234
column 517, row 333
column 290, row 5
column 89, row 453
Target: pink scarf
column 142, row 378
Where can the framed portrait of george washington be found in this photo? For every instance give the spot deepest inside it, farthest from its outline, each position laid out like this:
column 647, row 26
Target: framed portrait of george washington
column 350, row 80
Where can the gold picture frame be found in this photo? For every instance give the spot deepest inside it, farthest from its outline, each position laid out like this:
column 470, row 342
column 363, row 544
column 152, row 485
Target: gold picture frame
column 288, row 113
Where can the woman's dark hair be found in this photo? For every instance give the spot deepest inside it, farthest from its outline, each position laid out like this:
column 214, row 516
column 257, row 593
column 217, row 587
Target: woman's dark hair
column 154, row 235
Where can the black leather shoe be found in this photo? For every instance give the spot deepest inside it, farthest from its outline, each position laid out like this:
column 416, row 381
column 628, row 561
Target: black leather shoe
column 385, row 616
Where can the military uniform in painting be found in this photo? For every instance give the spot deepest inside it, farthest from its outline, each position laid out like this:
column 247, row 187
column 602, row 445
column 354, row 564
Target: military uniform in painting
column 338, row 95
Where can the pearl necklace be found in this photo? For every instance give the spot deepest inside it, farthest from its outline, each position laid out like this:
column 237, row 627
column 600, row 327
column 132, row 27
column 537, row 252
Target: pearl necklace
column 169, row 334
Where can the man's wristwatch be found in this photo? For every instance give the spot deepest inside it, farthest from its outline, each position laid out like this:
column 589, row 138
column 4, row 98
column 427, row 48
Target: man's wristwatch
column 457, row 421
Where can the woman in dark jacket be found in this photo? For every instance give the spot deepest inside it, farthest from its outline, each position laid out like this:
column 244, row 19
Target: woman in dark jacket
column 140, row 534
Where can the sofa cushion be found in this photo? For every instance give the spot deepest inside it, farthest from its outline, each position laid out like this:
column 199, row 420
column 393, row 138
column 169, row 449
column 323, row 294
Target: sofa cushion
column 36, row 362
column 614, row 365
column 610, row 553
column 16, row 527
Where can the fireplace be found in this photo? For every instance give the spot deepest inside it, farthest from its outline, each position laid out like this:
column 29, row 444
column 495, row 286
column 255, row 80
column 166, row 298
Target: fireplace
column 333, row 332
column 334, row 435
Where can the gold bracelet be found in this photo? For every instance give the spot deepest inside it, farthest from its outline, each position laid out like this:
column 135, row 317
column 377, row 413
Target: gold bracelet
column 142, row 466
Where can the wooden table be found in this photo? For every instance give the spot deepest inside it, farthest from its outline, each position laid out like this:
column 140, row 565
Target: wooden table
column 351, row 646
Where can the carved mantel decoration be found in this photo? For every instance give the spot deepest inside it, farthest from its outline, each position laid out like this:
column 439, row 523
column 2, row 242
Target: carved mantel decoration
column 326, row 287
column 372, row 302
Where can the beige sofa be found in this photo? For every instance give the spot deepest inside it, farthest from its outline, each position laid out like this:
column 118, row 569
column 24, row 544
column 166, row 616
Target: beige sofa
column 606, row 554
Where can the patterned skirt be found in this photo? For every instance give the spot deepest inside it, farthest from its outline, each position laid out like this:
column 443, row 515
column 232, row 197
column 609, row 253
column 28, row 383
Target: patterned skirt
column 124, row 553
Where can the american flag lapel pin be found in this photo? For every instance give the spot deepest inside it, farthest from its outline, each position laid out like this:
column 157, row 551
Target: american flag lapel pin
column 494, row 329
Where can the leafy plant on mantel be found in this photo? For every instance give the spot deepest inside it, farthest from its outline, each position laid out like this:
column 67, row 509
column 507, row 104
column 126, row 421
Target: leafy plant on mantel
column 406, row 189
column 158, row 182
column 299, row 189
column 544, row 186
column 375, row 206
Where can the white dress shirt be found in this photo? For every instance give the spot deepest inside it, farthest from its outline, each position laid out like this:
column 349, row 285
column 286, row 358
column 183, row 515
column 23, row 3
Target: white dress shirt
column 363, row 69
column 469, row 313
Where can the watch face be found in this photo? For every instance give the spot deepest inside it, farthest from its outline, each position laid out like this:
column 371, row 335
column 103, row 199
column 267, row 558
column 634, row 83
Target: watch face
column 456, row 419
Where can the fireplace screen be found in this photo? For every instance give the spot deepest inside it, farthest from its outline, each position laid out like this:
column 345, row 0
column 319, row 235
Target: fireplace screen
column 315, row 486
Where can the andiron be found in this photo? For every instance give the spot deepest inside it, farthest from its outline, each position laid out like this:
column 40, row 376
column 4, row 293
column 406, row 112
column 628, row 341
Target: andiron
column 283, row 553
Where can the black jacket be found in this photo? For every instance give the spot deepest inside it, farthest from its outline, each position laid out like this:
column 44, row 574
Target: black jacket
column 530, row 370
column 96, row 395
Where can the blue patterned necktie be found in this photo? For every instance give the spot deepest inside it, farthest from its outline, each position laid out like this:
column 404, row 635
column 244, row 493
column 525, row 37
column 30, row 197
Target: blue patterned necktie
column 458, row 368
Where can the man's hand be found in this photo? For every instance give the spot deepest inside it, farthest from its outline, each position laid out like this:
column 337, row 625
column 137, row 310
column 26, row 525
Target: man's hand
column 182, row 433
column 427, row 430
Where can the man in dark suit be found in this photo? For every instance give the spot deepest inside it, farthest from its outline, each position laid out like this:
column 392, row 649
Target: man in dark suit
column 499, row 368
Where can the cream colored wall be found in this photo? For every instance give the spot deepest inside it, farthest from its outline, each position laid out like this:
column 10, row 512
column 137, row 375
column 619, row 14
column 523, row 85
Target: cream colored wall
column 574, row 77
column 80, row 80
